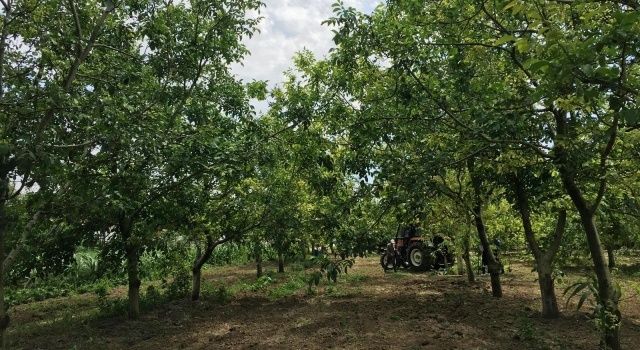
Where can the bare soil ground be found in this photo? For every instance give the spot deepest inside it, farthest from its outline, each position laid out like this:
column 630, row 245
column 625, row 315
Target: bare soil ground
column 368, row 310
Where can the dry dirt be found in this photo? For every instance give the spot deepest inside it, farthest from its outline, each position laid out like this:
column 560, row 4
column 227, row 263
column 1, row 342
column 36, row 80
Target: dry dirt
column 376, row 310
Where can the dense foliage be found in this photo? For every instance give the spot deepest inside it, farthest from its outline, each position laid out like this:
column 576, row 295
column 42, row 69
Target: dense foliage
column 130, row 152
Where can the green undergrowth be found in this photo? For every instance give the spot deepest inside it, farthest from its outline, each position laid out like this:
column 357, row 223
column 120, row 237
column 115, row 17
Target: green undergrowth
column 274, row 286
column 271, row 285
column 356, row 278
column 155, row 294
column 106, row 302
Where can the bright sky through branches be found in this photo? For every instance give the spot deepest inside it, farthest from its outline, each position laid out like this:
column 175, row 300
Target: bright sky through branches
column 288, row 26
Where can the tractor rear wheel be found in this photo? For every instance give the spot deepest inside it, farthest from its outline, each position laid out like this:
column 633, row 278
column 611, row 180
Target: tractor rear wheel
column 419, row 257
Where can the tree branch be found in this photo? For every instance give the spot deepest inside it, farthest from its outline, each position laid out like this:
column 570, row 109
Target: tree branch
column 444, row 108
column 76, row 21
column 75, row 145
column 558, row 234
column 522, row 203
column 603, row 162
column 97, row 29
column 631, row 3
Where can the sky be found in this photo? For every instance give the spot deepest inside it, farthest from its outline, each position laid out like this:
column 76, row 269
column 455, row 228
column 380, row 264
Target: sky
column 288, row 26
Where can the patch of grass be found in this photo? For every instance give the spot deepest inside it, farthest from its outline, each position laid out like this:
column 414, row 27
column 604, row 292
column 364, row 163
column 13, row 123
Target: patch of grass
column 525, row 329
column 353, row 278
column 527, row 332
column 398, row 275
column 222, row 295
column 154, row 295
column 258, row 285
column 337, row 291
column 331, row 290
column 302, row 321
column 39, row 293
column 207, row 287
column 261, row 283
column 631, row 270
column 291, row 286
column 112, row 306
column 296, row 266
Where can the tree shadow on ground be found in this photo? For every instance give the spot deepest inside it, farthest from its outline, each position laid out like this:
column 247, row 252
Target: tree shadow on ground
column 386, row 311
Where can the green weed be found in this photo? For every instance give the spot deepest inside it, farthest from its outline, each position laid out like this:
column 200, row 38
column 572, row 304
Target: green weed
column 290, row 287
column 222, row 295
column 356, row 278
column 525, row 329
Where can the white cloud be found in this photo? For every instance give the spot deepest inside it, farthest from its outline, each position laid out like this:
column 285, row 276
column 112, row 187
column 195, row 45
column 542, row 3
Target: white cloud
column 289, row 26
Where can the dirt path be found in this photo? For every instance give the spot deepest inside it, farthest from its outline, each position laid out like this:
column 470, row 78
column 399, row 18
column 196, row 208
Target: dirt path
column 370, row 310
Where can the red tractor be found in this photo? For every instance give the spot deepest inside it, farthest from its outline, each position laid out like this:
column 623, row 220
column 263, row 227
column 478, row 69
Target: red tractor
column 410, row 250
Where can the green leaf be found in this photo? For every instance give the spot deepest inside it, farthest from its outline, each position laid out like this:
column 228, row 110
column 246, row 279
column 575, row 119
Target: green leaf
column 522, row 45
column 577, row 287
column 582, row 299
column 630, row 116
column 4, row 149
column 510, row 5
column 503, row 40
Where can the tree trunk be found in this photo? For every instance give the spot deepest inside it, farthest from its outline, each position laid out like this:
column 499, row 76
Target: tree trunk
column 196, row 274
column 606, row 289
column 466, row 256
column 493, row 265
column 133, row 273
column 612, row 258
column 543, row 259
column 280, row 263
column 196, row 269
column 195, row 286
column 607, row 294
column 608, row 297
column 7, row 258
column 4, row 317
column 547, row 291
column 133, row 260
column 459, row 264
column 258, row 253
column 201, row 259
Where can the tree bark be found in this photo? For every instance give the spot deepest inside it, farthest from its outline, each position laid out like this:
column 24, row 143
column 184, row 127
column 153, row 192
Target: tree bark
column 494, row 265
column 133, row 274
column 459, row 264
column 280, row 263
column 543, row 259
column 258, row 254
column 611, row 258
column 195, row 286
column 547, row 292
column 7, row 259
column 607, row 295
column 4, row 315
column 201, row 259
column 196, row 269
column 466, row 256
column 133, row 268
